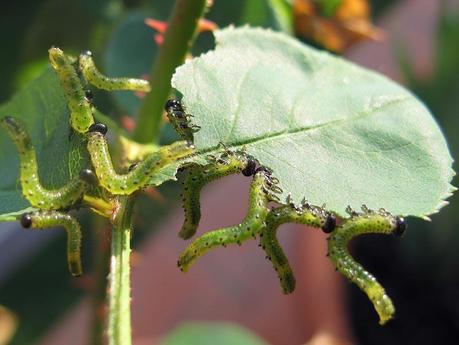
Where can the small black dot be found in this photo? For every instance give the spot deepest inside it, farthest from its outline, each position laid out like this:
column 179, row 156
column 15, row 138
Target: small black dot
column 400, row 226
column 330, row 224
column 89, row 95
column 26, row 220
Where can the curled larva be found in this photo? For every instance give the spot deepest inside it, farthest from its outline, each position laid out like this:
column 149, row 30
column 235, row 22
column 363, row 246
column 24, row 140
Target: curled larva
column 359, row 224
column 196, row 177
column 251, row 226
column 33, row 191
column 306, row 214
column 50, row 219
column 94, row 77
column 180, row 120
column 80, row 107
column 139, row 176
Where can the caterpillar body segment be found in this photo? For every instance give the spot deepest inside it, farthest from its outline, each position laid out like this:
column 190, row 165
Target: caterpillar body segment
column 198, row 176
column 94, row 77
column 250, row 227
column 81, row 112
column 33, row 191
column 140, row 174
column 50, row 219
column 356, row 225
column 180, row 119
column 306, row 214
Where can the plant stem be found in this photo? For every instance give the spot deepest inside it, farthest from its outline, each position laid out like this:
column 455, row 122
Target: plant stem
column 119, row 321
column 177, row 40
column 99, row 293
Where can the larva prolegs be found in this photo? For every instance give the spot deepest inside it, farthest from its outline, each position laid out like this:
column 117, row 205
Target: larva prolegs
column 32, row 189
column 343, row 261
column 50, row 219
column 81, row 117
column 195, row 179
column 94, row 77
column 251, row 226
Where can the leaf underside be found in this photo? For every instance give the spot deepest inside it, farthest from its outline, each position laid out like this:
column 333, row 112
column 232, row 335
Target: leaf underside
column 332, row 132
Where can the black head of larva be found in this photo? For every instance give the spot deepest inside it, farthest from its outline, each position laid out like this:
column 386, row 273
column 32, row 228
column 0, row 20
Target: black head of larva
column 98, row 127
column 12, row 123
column 86, row 53
column 89, row 95
column 250, row 168
column 400, row 226
column 329, row 224
column 88, row 176
column 174, row 105
column 26, row 220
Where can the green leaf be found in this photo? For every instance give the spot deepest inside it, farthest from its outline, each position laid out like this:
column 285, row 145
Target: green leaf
column 199, row 333
column 42, row 108
column 332, row 132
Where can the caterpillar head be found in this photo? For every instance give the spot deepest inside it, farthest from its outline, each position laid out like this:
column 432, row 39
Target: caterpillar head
column 173, row 105
column 26, row 220
column 88, row 176
column 89, row 95
column 329, row 224
column 400, row 226
column 251, row 167
column 98, row 127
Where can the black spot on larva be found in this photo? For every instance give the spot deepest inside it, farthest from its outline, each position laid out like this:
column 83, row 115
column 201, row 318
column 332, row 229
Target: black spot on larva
column 329, row 224
column 250, row 168
column 400, row 226
column 98, row 127
column 88, row 176
column 26, row 220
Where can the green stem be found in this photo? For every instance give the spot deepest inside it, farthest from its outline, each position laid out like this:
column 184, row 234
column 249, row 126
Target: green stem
column 182, row 26
column 99, row 293
column 119, row 321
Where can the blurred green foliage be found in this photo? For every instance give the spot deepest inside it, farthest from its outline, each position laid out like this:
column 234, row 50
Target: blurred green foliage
column 211, row 333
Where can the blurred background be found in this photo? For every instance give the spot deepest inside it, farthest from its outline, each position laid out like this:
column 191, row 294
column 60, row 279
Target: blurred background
column 415, row 42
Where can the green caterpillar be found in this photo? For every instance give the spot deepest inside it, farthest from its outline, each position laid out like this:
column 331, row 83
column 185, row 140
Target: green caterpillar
column 81, row 117
column 305, row 214
column 197, row 176
column 50, row 219
column 358, row 224
column 141, row 173
column 32, row 189
column 94, row 77
column 251, row 226
column 180, row 120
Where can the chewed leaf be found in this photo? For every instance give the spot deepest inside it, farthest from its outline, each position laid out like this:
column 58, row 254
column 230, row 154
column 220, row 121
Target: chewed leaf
column 331, row 131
